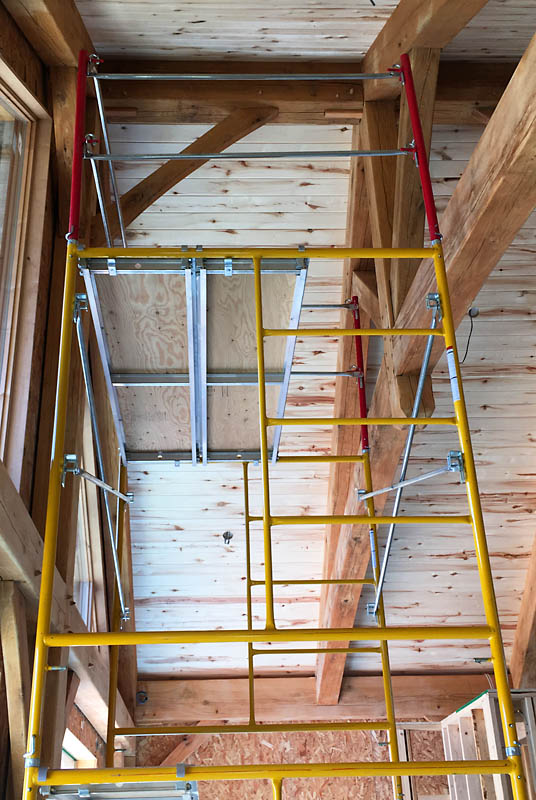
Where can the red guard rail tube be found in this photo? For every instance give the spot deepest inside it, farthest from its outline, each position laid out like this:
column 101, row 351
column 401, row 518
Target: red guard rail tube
column 78, row 148
column 420, row 148
column 360, row 364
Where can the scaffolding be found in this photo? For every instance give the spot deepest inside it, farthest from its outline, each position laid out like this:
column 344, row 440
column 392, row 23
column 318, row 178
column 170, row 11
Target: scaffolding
column 180, row 780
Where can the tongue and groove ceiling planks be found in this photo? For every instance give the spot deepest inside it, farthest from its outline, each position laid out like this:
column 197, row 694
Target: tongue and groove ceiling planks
column 310, row 29
column 184, row 574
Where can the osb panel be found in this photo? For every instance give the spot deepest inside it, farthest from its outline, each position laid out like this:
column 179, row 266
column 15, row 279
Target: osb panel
column 276, row 748
column 428, row 746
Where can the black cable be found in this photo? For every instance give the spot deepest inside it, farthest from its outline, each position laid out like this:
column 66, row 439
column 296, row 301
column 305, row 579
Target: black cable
column 472, row 313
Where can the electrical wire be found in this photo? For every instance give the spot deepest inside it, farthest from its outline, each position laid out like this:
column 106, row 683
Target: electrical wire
column 472, row 313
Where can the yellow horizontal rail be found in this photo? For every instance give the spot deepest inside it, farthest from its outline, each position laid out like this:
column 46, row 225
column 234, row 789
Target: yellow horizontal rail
column 320, row 459
column 352, row 332
column 313, row 651
column 277, row 727
column 319, row 582
column 364, row 519
column 399, row 633
column 257, row 252
column 96, row 777
column 306, row 421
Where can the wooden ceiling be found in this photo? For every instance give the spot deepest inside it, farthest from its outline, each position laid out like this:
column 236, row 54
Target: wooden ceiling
column 319, row 29
column 196, row 578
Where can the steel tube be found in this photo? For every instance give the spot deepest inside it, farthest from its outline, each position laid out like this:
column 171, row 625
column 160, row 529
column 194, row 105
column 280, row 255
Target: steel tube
column 118, row 613
column 104, row 128
column 86, row 371
column 360, row 519
column 311, row 421
column 294, row 321
column 34, row 737
column 106, row 487
column 518, row 781
column 165, row 253
column 266, row 512
column 189, row 285
column 403, row 633
column 321, row 582
column 271, row 155
column 232, row 76
column 95, row 777
column 268, row 727
column 405, row 460
column 102, row 204
column 401, row 484
column 353, row 332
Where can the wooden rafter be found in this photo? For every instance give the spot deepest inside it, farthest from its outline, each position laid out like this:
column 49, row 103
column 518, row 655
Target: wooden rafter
column 464, row 88
column 237, row 125
column 493, row 198
column 293, row 699
column 415, row 23
column 53, row 27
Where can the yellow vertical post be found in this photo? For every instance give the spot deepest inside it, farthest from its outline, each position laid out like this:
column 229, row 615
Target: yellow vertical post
column 266, row 514
column 116, row 621
column 51, row 528
column 277, row 787
column 384, row 647
column 481, row 547
column 251, row 674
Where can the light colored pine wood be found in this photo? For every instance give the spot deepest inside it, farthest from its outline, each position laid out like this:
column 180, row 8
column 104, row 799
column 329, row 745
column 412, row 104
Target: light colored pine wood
column 422, row 24
column 14, row 637
column 238, row 124
column 293, row 699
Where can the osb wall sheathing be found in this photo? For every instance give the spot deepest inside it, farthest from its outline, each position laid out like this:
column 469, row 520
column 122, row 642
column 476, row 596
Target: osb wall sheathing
column 297, row 747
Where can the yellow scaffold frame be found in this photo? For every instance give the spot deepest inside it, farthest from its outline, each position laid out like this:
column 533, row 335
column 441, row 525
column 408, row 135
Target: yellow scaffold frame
column 36, row 776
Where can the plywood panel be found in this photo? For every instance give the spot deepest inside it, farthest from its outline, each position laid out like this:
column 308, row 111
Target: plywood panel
column 231, row 320
column 145, row 322
column 233, row 416
column 156, row 418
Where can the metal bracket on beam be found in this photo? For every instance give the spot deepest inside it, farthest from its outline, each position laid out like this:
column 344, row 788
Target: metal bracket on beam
column 112, row 267
column 228, row 267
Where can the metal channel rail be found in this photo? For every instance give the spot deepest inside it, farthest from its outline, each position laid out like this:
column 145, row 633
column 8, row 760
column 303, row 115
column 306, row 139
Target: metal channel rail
column 42, row 779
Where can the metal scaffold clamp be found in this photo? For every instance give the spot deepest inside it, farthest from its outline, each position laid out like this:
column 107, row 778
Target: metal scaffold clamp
column 433, row 302
column 455, row 463
column 80, row 304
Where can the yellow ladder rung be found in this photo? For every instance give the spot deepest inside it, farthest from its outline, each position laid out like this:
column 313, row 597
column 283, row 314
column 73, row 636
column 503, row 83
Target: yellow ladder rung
column 352, row 332
column 320, row 459
column 363, row 519
column 310, row 421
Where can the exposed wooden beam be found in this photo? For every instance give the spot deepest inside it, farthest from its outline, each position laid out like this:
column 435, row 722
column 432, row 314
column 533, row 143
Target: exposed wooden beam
column 379, row 127
column 237, row 125
column 14, row 636
column 365, row 287
column 21, row 554
column 523, row 658
column 53, row 27
column 18, row 57
column 414, row 23
column 408, row 214
column 463, row 88
column 491, row 201
column 183, row 750
column 218, row 701
column 346, row 439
